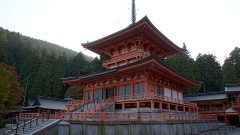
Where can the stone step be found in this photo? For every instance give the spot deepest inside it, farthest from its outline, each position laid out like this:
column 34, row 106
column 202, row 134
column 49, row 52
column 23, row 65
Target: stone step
column 34, row 128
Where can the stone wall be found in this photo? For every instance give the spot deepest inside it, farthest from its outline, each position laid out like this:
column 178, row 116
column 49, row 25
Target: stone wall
column 134, row 128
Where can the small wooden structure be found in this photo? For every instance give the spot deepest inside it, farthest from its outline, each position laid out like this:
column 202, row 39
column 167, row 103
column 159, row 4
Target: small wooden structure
column 47, row 105
column 224, row 104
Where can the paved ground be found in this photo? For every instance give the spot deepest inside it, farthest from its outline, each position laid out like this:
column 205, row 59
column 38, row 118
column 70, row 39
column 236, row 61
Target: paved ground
column 223, row 131
column 2, row 130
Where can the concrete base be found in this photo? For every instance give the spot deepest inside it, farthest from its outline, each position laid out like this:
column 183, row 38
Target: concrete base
column 135, row 128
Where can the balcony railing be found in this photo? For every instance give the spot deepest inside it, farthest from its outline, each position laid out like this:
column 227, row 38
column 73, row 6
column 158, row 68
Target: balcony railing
column 155, row 97
column 213, row 109
column 123, row 57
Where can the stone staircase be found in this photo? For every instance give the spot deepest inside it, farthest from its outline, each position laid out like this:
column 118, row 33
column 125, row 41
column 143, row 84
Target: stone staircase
column 31, row 127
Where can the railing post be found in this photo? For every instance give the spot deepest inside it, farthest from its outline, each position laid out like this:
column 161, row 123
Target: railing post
column 16, row 129
column 31, row 123
column 42, row 116
column 139, row 116
column 102, row 114
column 23, row 124
column 37, row 120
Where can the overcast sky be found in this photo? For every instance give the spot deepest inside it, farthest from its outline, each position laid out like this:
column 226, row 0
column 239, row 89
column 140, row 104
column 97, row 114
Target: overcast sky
column 206, row 26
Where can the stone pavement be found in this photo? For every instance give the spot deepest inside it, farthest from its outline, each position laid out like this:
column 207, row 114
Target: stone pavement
column 223, row 131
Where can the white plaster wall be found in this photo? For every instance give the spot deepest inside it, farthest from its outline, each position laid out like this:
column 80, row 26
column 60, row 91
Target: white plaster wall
column 174, row 94
column 167, row 92
column 180, row 96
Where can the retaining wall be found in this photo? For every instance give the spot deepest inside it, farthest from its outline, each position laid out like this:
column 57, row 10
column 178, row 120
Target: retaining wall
column 135, row 128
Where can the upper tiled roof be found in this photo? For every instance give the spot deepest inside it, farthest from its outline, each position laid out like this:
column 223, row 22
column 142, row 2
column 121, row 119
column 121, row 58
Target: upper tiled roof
column 144, row 25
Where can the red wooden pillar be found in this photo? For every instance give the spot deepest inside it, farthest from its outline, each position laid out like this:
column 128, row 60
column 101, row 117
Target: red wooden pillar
column 117, row 91
column 152, row 105
column 225, row 119
column 92, row 94
column 168, row 107
column 83, row 94
column 145, row 87
column 176, row 108
column 160, row 106
column 132, row 88
column 196, row 110
column 138, row 105
column 123, row 106
column 238, row 116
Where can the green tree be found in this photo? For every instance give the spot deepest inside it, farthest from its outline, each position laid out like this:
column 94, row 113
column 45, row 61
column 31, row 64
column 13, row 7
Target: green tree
column 210, row 73
column 74, row 92
column 10, row 90
column 183, row 63
column 79, row 66
column 231, row 68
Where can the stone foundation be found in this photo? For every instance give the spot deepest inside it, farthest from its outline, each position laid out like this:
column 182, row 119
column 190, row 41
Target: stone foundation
column 136, row 128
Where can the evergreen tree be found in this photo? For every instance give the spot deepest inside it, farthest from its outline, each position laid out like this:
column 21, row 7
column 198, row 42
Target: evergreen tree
column 79, row 66
column 210, row 73
column 10, row 90
column 231, row 68
column 183, row 63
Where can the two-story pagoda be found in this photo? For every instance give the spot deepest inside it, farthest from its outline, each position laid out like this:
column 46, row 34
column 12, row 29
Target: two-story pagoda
column 136, row 77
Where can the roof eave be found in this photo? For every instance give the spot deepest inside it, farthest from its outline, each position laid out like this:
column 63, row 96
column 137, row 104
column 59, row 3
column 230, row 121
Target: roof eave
column 142, row 23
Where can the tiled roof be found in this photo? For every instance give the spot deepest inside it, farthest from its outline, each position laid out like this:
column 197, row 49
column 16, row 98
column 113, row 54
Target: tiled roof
column 207, row 96
column 232, row 87
column 49, row 103
column 131, row 27
column 109, row 71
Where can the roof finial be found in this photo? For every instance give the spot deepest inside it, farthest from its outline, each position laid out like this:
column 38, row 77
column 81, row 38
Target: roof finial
column 133, row 12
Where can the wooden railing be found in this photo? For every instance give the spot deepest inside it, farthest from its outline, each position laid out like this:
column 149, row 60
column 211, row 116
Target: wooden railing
column 101, row 105
column 235, row 104
column 156, row 97
column 213, row 109
column 123, row 57
column 75, row 104
column 207, row 116
column 117, row 116
column 29, row 115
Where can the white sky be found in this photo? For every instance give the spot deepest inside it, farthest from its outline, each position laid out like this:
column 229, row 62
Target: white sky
column 206, row 26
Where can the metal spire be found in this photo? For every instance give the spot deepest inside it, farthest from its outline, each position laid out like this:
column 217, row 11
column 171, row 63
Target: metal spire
column 133, row 12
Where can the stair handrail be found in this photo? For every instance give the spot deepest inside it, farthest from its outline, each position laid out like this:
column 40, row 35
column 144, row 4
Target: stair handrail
column 24, row 124
column 87, row 103
column 102, row 104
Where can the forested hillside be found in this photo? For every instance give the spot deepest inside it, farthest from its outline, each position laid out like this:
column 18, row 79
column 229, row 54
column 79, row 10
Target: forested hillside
column 40, row 65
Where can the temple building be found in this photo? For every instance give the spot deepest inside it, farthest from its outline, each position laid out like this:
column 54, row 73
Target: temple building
column 224, row 104
column 136, row 94
column 136, row 78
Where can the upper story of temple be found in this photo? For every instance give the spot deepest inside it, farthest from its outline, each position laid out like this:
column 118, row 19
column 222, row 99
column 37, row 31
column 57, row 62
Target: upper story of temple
column 131, row 44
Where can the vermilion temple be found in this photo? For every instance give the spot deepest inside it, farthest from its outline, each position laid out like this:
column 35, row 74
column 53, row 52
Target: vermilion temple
column 136, row 79
column 137, row 94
